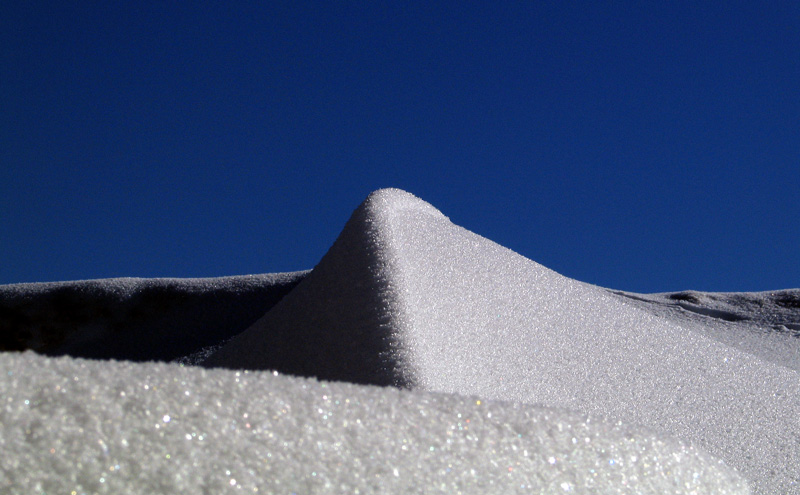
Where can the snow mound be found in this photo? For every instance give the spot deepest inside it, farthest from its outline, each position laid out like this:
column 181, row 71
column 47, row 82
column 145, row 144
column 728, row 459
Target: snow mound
column 405, row 297
column 346, row 320
column 77, row 426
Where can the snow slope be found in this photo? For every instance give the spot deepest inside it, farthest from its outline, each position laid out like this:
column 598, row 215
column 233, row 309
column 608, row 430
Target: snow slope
column 406, row 298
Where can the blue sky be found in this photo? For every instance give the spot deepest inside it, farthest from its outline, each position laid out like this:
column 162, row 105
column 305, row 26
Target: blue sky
column 646, row 146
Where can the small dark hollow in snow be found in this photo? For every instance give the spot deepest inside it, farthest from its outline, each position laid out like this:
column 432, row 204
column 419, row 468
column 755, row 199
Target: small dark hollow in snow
column 685, row 296
column 713, row 313
column 788, row 300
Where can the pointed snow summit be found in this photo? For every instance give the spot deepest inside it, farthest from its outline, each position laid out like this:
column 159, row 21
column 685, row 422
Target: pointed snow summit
column 405, row 297
column 345, row 321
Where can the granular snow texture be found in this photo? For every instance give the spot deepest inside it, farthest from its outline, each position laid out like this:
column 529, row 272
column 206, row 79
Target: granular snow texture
column 83, row 427
column 135, row 319
column 405, row 297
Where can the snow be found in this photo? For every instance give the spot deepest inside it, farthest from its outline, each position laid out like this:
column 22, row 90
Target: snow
column 135, row 319
column 665, row 387
column 77, row 426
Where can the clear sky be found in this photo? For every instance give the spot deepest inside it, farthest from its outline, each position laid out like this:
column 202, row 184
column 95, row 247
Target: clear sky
column 644, row 146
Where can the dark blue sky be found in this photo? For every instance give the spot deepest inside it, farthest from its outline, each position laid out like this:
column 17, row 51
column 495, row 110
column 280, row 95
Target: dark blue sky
column 648, row 146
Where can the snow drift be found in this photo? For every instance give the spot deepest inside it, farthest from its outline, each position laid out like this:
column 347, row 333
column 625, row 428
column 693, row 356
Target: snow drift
column 406, row 298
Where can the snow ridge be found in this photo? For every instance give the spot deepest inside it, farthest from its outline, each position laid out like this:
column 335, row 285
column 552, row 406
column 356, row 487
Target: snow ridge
column 345, row 321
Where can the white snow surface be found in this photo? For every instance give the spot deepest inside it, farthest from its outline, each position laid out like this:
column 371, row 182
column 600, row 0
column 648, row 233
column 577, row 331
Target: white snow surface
column 77, row 426
column 405, row 298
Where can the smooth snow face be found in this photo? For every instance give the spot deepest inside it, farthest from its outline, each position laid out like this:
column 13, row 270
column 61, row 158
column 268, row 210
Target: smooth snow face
column 406, row 297
column 490, row 322
column 76, row 426
column 766, row 324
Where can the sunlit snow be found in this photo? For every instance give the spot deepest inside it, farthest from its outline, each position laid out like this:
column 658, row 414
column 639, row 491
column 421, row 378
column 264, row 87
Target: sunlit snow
column 498, row 375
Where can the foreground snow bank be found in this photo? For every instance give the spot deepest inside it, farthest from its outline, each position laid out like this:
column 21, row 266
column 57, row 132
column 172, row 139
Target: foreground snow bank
column 77, row 426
